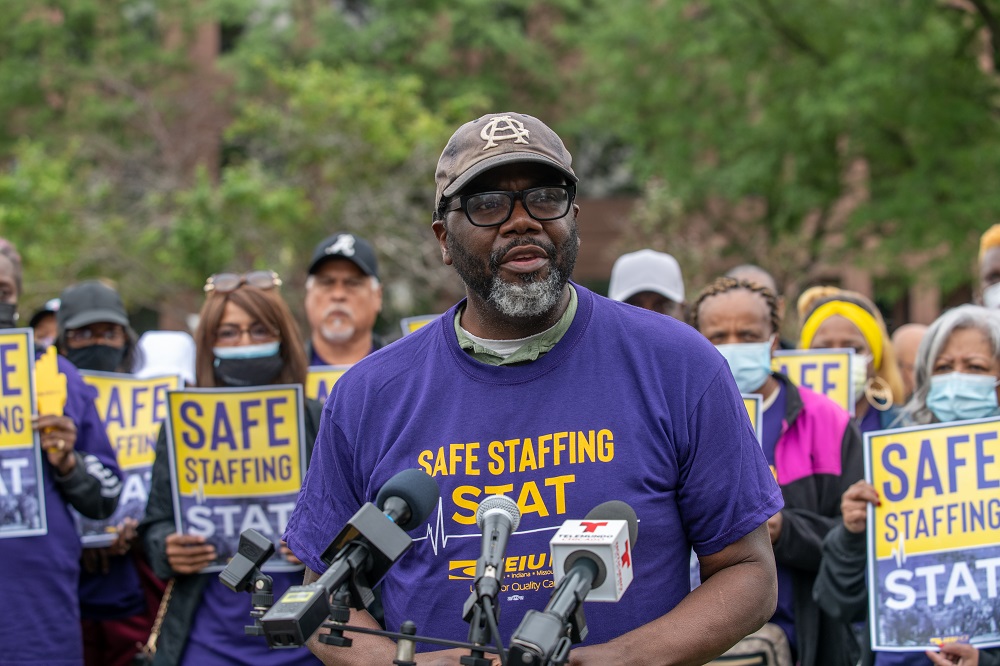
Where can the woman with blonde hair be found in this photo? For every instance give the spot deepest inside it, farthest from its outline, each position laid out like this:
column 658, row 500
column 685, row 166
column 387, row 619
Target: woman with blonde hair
column 837, row 318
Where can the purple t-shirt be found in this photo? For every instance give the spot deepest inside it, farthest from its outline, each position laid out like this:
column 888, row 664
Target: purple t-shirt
column 629, row 405
column 42, row 572
column 773, row 425
column 217, row 637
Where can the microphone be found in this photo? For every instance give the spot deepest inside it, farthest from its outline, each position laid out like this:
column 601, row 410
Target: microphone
column 497, row 517
column 360, row 555
column 592, row 559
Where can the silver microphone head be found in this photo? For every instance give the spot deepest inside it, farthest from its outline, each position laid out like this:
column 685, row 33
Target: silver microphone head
column 501, row 504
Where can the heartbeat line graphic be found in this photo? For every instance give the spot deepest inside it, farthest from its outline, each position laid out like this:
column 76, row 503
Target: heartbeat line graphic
column 899, row 554
column 438, row 536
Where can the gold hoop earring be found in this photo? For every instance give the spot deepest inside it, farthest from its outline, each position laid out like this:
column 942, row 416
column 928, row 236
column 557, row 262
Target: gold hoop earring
column 878, row 393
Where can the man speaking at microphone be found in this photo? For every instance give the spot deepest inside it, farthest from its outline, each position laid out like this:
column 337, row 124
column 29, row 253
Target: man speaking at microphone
column 539, row 389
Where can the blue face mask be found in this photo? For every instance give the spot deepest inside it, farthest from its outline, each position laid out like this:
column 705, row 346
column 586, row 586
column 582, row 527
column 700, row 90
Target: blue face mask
column 958, row 396
column 750, row 363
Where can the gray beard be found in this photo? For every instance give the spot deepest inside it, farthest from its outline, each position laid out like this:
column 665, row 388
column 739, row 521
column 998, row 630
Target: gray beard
column 527, row 299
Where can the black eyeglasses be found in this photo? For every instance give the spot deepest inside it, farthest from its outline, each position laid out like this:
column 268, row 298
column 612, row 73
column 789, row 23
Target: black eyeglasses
column 491, row 209
column 225, row 283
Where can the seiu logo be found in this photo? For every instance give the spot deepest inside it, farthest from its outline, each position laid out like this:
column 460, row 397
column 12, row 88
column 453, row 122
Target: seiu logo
column 466, row 569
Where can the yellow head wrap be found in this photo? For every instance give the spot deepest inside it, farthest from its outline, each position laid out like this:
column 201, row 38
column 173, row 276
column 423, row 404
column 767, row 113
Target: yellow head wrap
column 855, row 314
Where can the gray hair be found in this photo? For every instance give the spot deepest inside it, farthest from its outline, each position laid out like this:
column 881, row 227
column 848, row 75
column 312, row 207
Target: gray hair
column 962, row 317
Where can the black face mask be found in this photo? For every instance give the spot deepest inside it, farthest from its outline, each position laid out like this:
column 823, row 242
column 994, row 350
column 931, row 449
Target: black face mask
column 8, row 315
column 239, row 372
column 100, row 358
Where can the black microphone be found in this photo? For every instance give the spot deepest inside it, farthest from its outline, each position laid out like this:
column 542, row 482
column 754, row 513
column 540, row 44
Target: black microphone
column 360, row 555
column 541, row 638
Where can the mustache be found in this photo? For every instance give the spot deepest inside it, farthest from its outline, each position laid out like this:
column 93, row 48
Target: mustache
column 496, row 257
column 338, row 309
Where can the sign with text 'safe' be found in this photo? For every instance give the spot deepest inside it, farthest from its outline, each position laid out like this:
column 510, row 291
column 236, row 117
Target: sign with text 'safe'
column 132, row 411
column 237, row 458
column 934, row 541
column 824, row 371
column 22, row 493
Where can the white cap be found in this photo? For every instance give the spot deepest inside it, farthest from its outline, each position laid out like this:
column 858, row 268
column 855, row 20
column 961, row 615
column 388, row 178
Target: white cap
column 646, row 270
column 167, row 353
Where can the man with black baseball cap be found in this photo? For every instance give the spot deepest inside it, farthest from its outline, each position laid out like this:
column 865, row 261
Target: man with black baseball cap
column 343, row 299
column 539, row 389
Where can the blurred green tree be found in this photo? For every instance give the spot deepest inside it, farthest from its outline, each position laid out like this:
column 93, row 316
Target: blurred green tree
column 802, row 134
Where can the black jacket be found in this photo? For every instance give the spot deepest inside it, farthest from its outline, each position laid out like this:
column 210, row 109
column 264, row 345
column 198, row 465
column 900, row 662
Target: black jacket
column 812, row 508
column 159, row 523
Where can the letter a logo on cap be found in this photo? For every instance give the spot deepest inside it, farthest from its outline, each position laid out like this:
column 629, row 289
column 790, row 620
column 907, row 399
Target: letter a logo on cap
column 503, row 128
column 343, row 245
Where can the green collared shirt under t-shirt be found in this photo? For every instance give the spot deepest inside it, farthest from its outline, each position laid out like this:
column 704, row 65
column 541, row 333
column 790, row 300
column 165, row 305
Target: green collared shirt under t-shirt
column 533, row 347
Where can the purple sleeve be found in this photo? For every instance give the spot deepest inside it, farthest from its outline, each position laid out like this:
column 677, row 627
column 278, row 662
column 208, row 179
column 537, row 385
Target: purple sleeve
column 721, row 504
column 331, row 494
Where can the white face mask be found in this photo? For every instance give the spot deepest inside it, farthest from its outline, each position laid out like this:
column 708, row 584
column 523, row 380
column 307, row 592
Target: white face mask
column 859, row 373
column 991, row 296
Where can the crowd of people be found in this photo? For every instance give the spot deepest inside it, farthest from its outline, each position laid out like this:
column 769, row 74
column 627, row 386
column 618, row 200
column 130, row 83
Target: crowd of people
column 531, row 386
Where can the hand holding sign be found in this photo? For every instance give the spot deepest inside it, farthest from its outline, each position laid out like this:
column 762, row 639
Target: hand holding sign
column 961, row 654
column 188, row 553
column 57, row 434
column 854, row 505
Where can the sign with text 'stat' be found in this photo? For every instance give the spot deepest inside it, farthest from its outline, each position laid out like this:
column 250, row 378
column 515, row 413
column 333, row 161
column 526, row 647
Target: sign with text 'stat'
column 237, row 458
column 934, row 540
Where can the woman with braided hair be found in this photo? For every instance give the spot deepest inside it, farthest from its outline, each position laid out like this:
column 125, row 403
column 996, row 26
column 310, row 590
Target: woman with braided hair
column 814, row 451
column 835, row 318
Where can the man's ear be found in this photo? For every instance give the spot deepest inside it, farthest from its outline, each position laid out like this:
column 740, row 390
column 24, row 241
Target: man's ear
column 441, row 231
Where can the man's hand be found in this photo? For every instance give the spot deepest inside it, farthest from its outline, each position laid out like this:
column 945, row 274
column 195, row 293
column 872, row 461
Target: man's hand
column 288, row 554
column 57, row 435
column 188, row 554
column 854, row 505
column 962, row 654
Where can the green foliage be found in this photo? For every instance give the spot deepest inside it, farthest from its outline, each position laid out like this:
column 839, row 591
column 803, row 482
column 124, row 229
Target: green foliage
column 837, row 121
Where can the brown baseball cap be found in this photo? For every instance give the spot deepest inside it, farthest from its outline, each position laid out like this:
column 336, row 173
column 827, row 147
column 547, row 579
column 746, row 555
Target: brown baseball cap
column 493, row 140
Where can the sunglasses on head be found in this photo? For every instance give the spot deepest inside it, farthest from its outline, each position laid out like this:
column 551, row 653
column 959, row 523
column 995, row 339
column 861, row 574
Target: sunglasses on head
column 223, row 283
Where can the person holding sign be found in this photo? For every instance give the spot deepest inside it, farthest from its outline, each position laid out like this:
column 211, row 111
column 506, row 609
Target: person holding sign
column 957, row 371
column 119, row 594
column 812, row 445
column 539, row 389
column 40, row 613
column 839, row 319
column 246, row 338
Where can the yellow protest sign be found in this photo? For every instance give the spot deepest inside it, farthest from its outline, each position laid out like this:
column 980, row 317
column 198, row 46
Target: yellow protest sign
column 825, row 371
column 411, row 324
column 934, row 540
column 237, row 443
column 753, row 403
column 237, row 458
column 321, row 379
column 51, row 384
column 132, row 410
column 22, row 496
column 16, row 389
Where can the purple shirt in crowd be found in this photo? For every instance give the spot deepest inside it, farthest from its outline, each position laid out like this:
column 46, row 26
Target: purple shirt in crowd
column 630, row 405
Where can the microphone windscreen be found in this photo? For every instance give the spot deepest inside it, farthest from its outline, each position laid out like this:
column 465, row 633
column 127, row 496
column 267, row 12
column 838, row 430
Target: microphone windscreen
column 617, row 510
column 499, row 503
column 415, row 487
